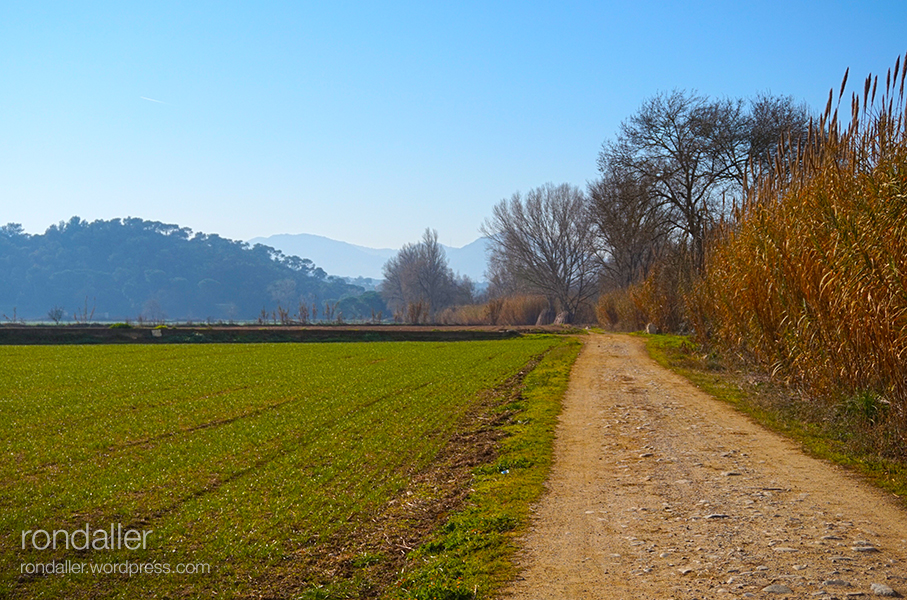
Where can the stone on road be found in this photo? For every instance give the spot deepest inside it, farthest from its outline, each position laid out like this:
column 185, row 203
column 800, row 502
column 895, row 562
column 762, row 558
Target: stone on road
column 660, row 491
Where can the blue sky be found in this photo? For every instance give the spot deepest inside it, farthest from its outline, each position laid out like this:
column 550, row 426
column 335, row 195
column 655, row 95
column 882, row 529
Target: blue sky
column 367, row 122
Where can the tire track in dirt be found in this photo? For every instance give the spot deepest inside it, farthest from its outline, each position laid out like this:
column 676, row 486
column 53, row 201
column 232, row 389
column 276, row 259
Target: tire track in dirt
column 660, row 491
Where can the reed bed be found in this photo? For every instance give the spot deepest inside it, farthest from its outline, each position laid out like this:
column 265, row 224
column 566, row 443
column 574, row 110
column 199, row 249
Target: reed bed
column 810, row 275
column 521, row 309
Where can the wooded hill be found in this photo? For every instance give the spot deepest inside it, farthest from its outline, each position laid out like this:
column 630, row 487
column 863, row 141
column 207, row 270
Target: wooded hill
column 130, row 268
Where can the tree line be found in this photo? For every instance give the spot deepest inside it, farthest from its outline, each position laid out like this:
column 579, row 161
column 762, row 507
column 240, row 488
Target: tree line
column 673, row 172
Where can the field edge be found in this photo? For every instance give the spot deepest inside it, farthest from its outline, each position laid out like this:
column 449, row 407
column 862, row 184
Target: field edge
column 470, row 554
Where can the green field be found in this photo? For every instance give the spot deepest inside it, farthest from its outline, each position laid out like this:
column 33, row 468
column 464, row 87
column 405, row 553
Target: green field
column 246, row 458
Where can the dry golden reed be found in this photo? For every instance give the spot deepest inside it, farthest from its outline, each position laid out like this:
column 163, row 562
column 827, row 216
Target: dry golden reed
column 810, row 277
column 508, row 310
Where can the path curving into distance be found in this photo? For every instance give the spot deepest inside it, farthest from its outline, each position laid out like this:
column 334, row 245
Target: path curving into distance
column 660, row 491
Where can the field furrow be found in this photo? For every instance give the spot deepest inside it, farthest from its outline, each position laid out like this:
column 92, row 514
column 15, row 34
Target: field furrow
column 240, row 457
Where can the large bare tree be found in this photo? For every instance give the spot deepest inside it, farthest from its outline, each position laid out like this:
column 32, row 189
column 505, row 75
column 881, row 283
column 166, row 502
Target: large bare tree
column 418, row 282
column 543, row 242
column 630, row 228
column 696, row 153
column 689, row 148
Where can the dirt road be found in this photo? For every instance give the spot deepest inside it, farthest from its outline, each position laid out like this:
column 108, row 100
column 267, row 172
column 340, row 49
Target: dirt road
column 660, row 491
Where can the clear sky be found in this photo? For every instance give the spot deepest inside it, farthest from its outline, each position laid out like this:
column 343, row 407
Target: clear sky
column 367, row 122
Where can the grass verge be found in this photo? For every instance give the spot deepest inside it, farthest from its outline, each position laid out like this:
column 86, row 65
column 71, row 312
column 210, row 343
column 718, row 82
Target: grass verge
column 470, row 555
column 833, row 433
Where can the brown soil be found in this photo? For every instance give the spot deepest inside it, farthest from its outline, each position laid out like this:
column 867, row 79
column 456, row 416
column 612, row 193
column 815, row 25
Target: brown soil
column 103, row 334
column 660, row 491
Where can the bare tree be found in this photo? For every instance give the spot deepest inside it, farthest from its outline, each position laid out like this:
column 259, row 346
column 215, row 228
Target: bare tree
column 399, row 286
column 435, row 279
column 630, row 228
column 56, row 313
column 690, row 148
column 418, row 282
column 695, row 152
column 776, row 126
column 544, row 242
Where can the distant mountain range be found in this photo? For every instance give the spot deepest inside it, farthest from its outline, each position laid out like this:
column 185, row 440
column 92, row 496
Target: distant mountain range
column 349, row 260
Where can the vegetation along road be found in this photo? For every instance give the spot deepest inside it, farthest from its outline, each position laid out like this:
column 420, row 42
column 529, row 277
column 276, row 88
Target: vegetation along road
column 660, row 491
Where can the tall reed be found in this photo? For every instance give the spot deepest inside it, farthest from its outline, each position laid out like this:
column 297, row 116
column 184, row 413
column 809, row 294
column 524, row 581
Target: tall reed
column 810, row 276
column 507, row 310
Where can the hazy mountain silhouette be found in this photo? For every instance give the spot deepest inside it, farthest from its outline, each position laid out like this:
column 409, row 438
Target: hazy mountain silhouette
column 349, row 260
